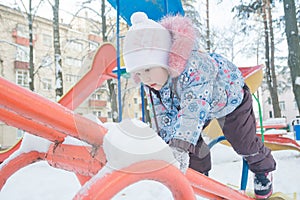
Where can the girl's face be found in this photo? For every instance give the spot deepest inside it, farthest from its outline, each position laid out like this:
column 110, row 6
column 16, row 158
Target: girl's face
column 154, row 77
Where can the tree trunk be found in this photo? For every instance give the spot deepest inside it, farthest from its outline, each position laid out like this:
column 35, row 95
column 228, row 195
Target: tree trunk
column 110, row 83
column 292, row 35
column 103, row 18
column 31, row 64
column 124, row 94
column 277, row 111
column 207, row 27
column 113, row 100
column 57, row 52
column 270, row 65
column 147, row 117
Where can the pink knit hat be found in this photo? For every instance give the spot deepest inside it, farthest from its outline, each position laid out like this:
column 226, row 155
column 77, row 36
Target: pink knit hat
column 146, row 44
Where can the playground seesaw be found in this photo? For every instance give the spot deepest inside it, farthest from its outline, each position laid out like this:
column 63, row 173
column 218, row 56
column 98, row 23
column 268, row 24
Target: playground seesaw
column 50, row 123
column 16, row 109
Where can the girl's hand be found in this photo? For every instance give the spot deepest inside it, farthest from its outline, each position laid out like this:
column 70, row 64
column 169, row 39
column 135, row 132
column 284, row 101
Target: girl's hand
column 182, row 157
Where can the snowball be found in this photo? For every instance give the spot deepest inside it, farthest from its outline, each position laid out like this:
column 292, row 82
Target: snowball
column 133, row 141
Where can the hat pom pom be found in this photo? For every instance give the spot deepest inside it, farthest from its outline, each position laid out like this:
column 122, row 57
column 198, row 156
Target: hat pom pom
column 138, row 17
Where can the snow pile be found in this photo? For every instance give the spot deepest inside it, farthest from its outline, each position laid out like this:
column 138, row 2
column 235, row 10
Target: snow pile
column 274, row 131
column 275, row 121
column 132, row 141
column 29, row 143
column 41, row 181
column 34, row 143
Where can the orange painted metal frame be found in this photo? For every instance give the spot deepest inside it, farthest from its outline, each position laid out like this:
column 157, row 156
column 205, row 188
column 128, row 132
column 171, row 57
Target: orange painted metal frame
column 54, row 122
column 17, row 163
column 45, row 113
column 81, row 160
column 108, row 186
column 181, row 186
column 104, row 62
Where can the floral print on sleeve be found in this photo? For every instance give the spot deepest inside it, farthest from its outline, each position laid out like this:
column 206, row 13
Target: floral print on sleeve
column 209, row 87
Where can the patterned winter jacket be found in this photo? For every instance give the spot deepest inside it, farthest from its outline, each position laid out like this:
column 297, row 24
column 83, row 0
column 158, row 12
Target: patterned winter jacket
column 200, row 87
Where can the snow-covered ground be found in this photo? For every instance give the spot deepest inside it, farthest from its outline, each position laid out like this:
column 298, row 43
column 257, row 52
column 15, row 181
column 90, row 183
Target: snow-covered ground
column 40, row 181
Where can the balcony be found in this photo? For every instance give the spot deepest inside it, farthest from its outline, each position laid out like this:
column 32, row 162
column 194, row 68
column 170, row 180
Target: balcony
column 21, row 65
column 103, row 119
column 24, row 41
column 97, row 103
column 95, row 38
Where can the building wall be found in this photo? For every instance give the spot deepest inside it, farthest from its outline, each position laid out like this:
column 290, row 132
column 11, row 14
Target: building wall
column 132, row 101
column 78, row 41
column 287, row 103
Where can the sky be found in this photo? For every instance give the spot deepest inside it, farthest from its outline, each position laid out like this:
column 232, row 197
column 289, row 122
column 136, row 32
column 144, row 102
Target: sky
column 220, row 13
column 41, row 181
column 67, row 8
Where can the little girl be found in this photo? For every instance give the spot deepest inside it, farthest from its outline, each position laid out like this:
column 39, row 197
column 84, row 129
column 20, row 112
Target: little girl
column 188, row 88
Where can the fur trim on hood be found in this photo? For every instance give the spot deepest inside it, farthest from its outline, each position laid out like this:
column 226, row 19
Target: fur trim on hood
column 183, row 38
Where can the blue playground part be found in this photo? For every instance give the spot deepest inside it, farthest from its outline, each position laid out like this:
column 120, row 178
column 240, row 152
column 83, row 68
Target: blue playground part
column 244, row 178
column 155, row 9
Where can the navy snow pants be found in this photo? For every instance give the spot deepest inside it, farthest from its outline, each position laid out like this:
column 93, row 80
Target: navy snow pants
column 239, row 128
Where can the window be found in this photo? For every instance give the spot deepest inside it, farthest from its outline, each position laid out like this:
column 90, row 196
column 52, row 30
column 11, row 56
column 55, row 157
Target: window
column 270, row 114
column 295, row 105
column 109, row 115
column 136, row 115
column 22, row 54
column 282, row 105
column 135, row 100
column 23, row 31
column 97, row 113
column 93, row 45
column 269, row 101
column 75, row 45
column 73, row 62
column 22, row 77
column 72, row 78
column 47, row 84
column 96, row 96
column 46, row 61
column 47, row 40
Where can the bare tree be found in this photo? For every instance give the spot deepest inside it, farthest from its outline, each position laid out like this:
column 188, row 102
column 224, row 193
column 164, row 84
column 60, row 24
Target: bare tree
column 111, row 85
column 292, row 35
column 193, row 14
column 269, row 56
column 30, row 18
column 207, row 27
column 57, row 52
column 31, row 65
column 263, row 8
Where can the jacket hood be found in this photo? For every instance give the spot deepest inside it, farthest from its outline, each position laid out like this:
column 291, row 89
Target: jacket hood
column 183, row 38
